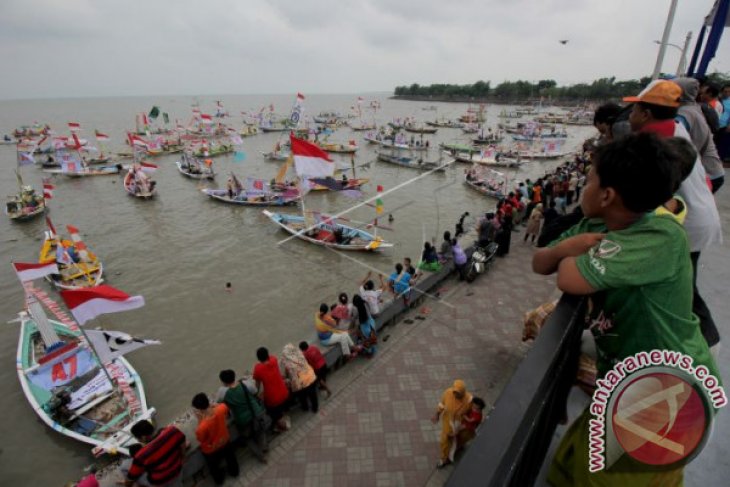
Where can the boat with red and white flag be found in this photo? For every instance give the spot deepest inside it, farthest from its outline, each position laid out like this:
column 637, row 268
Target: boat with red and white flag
column 78, row 266
column 138, row 183
column 79, row 382
column 26, row 204
column 311, row 162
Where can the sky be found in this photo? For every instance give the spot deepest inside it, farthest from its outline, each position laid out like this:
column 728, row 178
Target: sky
column 89, row 48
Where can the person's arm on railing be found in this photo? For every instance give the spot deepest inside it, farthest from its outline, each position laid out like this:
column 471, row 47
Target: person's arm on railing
column 546, row 260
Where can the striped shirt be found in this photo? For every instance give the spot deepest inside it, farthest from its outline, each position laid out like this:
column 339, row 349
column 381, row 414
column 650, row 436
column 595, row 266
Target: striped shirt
column 161, row 458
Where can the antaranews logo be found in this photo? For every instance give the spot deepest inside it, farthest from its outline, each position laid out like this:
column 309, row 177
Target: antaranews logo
column 655, row 407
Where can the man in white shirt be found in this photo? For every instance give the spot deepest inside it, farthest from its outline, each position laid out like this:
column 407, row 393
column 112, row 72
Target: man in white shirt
column 371, row 295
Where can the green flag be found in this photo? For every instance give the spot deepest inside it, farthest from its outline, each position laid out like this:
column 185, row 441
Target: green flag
column 165, row 117
column 155, row 112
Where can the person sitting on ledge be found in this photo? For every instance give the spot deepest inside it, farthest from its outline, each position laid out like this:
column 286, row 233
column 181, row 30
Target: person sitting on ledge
column 328, row 333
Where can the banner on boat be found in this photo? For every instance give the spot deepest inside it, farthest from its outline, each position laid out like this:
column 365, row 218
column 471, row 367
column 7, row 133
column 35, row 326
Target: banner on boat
column 63, row 369
column 96, row 387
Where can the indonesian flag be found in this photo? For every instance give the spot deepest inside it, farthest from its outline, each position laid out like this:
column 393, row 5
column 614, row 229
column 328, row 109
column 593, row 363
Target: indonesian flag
column 87, row 304
column 79, row 244
column 101, row 137
column 148, row 167
column 112, row 344
column 206, row 117
column 310, row 160
column 28, row 272
column 48, row 189
column 137, row 141
column 74, row 126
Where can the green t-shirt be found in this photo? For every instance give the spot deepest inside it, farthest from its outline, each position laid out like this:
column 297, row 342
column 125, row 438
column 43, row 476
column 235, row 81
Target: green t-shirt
column 238, row 403
column 643, row 278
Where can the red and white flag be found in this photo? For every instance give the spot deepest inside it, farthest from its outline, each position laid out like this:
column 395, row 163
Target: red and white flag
column 101, row 137
column 51, row 227
column 310, row 160
column 28, row 272
column 148, row 167
column 48, row 189
column 86, row 304
column 79, row 244
column 74, row 126
column 206, row 117
column 137, row 141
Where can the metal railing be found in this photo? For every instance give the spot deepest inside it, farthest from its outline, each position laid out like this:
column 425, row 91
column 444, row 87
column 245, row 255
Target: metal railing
column 513, row 441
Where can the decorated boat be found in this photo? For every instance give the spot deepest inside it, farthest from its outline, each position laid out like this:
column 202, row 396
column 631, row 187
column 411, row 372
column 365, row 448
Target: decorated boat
column 85, row 171
column 27, row 204
column 138, row 184
column 248, row 130
column 411, row 162
column 487, row 158
column 449, row 124
column 79, row 386
column 78, row 266
column 416, row 129
column 214, row 150
column 490, row 187
column 453, row 148
column 328, row 232
column 336, row 147
column 403, row 144
column 194, row 168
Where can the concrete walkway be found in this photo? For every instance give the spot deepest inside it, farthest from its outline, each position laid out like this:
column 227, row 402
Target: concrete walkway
column 376, row 428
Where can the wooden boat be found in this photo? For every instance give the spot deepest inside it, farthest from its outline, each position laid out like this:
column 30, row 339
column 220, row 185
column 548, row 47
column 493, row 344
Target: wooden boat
column 540, row 136
column 214, row 151
column 328, row 233
column 274, row 128
column 390, row 144
column 352, row 183
column 449, row 124
column 470, row 129
column 85, row 405
column 245, row 199
column 194, row 168
column 497, row 159
column 361, row 127
column 506, row 114
column 276, row 156
column 490, row 139
column 100, row 159
column 248, row 130
column 135, row 186
column 81, row 268
column 337, row 148
column 485, row 187
column 411, row 162
column 87, row 171
column 420, row 130
column 453, row 148
column 27, row 204
column 526, row 154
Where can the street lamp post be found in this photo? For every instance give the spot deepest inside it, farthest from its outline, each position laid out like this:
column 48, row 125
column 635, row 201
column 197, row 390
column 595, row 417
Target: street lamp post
column 681, row 67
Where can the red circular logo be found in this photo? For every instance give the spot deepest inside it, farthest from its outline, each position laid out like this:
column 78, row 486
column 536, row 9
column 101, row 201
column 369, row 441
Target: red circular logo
column 659, row 419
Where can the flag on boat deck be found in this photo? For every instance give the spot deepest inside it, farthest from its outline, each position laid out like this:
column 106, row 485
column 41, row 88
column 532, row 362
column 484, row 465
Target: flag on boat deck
column 74, row 126
column 206, row 118
column 310, row 160
column 379, row 202
column 101, row 137
column 155, row 112
column 86, row 304
column 239, row 156
column 112, row 344
column 29, row 272
column 166, row 118
column 25, row 158
column 48, row 189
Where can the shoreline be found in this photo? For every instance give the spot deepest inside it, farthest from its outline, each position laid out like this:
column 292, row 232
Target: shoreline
column 499, row 101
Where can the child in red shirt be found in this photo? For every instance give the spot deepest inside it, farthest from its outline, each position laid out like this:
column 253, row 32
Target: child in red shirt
column 467, row 430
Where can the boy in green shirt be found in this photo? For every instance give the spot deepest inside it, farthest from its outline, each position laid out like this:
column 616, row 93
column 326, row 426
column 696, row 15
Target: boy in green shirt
column 636, row 268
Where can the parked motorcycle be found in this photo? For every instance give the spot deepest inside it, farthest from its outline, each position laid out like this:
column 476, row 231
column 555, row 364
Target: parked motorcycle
column 481, row 259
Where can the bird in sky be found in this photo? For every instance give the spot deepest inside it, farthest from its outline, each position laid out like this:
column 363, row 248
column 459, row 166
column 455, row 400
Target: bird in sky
column 563, row 41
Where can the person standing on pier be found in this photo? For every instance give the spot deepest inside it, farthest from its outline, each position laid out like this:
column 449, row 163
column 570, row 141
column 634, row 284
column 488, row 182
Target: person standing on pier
column 267, row 374
column 248, row 414
column 455, row 403
column 301, row 377
column 214, row 439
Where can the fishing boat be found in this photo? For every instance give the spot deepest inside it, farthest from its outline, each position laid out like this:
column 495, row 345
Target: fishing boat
column 491, row 188
column 79, row 267
column 487, row 158
column 213, row 150
column 511, row 114
column 453, row 148
column 27, row 204
column 337, row 148
column 403, row 144
column 248, row 130
column 327, row 232
column 84, row 171
column 68, row 387
column 412, row 127
column 330, row 183
column 139, row 185
column 540, row 136
column 411, row 162
column 449, row 124
column 193, row 168
column 490, row 138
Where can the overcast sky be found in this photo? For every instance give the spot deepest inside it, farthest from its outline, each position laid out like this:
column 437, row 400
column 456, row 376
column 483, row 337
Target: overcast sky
column 69, row 48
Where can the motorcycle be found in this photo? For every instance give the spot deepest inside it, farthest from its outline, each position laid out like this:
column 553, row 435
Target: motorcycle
column 480, row 260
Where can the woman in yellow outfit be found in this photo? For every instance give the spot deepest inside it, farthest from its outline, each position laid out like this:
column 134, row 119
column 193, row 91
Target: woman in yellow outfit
column 455, row 402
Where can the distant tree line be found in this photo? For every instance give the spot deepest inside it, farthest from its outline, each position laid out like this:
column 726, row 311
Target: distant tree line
column 600, row 89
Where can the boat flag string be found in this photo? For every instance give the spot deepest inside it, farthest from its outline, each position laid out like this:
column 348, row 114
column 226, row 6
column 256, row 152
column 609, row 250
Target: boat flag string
column 369, row 200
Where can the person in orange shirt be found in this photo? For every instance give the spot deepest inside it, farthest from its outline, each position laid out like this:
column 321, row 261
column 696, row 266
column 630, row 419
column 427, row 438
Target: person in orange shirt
column 214, row 439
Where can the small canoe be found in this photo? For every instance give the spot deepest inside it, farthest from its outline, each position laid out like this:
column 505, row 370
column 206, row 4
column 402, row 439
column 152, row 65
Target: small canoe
column 243, row 199
column 328, row 234
column 17, row 212
column 201, row 171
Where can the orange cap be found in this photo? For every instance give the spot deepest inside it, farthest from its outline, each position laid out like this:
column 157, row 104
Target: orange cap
column 658, row 92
